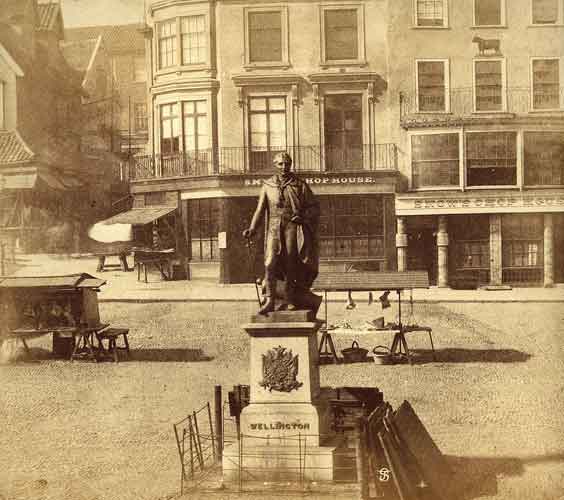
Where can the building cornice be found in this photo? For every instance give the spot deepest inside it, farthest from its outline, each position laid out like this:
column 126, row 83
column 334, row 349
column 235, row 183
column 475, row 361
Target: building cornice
column 244, row 80
column 200, row 84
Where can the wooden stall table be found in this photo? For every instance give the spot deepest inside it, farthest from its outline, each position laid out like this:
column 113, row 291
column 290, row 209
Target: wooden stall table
column 372, row 281
column 103, row 266
column 160, row 259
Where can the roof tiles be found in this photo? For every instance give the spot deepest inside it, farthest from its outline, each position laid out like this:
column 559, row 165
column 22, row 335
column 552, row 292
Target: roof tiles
column 13, row 149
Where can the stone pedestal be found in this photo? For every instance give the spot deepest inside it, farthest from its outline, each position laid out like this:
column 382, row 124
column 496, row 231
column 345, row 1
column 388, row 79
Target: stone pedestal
column 281, row 427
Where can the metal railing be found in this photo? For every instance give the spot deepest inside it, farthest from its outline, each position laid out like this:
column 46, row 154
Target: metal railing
column 468, row 102
column 244, row 160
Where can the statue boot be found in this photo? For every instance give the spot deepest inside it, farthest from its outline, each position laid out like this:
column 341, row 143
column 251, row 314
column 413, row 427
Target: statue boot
column 269, row 292
column 268, row 306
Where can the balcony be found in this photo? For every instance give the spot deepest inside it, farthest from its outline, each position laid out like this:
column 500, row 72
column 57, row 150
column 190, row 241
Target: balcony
column 468, row 105
column 245, row 160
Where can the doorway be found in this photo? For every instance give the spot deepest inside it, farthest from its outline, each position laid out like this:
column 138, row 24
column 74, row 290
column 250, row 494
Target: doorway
column 422, row 247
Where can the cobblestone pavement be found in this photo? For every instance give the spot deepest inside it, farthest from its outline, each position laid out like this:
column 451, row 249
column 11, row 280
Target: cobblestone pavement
column 80, row 431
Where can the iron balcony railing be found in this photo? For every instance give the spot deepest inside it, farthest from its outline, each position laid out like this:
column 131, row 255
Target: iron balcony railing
column 436, row 105
column 245, row 160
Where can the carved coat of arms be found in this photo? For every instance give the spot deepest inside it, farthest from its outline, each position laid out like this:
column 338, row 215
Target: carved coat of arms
column 280, row 370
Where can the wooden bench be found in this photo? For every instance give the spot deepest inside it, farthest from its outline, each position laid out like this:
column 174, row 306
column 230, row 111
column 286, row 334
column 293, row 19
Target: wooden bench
column 111, row 335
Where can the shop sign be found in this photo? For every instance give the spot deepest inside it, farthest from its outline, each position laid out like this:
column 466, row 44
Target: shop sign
column 525, row 203
column 319, row 180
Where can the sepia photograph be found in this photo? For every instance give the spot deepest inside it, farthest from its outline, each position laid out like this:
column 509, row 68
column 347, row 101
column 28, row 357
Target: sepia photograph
column 256, row 249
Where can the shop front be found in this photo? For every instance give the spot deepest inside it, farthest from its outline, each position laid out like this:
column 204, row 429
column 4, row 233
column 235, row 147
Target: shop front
column 356, row 227
column 483, row 238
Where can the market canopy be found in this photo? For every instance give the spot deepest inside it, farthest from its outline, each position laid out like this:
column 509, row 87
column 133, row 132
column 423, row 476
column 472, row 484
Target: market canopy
column 139, row 216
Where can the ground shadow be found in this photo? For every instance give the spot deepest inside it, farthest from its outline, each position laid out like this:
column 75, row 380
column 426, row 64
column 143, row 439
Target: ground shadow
column 169, row 355
column 458, row 355
column 476, row 477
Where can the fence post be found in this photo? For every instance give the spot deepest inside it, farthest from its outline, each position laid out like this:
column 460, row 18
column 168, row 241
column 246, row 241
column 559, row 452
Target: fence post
column 362, row 457
column 218, row 404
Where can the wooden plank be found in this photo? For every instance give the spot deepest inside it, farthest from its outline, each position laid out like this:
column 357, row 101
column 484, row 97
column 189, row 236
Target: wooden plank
column 400, row 476
column 414, row 436
column 367, row 281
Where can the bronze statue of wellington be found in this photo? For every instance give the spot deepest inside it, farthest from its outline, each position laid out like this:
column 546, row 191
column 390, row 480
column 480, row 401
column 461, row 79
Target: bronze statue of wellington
column 291, row 254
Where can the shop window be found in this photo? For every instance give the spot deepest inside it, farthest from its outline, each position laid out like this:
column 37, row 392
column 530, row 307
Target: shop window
column 266, row 36
column 204, row 226
column 489, row 12
column 167, row 43
column 267, row 126
column 435, row 160
column 544, row 158
column 342, row 34
column 193, row 35
column 343, row 132
column 522, row 248
column 491, row 158
column 471, row 238
column 430, row 13
column 140, row 116
column 489, row 85
column 546, row 11
column 170, row 129
column 546, row 83
column 432, row 85
column 352, row 227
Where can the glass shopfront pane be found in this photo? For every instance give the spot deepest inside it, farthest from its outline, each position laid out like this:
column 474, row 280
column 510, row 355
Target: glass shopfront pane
column 491, row 158
column 544, row 158
column 435, row 160
column 344, row 247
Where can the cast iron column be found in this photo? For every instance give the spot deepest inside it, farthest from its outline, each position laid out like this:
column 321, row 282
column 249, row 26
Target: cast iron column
column 495, row 250
column 548, row 251
column 401, row 244
column 442, row 248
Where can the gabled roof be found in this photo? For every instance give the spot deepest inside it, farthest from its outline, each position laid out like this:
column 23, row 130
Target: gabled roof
column 118, row 38
column 13, row 149
column 50, row 17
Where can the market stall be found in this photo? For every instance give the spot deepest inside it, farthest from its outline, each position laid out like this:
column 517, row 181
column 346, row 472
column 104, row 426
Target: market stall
column 65, row 306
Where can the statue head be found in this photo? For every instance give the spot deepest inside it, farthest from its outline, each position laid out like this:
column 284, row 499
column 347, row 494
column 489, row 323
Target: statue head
column 282, row 162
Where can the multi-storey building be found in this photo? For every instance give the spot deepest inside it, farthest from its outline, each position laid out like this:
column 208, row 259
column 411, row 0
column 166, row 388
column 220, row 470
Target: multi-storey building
column 231, row 84
column 39, row 119
column 470, row 91
column 125, row 46
column 480, row 103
